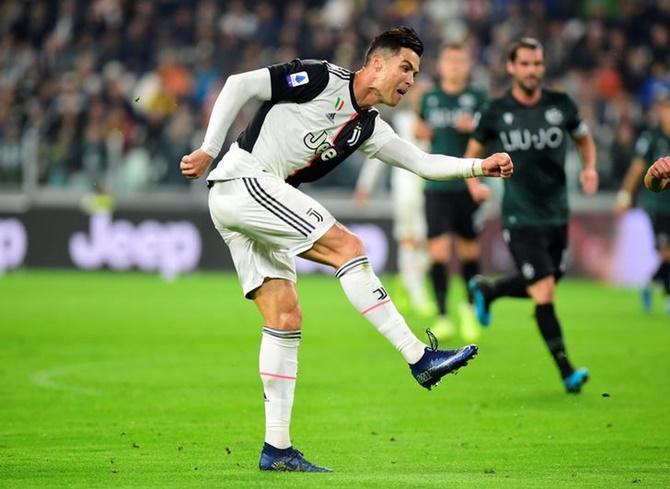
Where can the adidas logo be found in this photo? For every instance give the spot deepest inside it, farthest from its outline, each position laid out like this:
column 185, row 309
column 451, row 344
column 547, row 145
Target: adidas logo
column 331, row 116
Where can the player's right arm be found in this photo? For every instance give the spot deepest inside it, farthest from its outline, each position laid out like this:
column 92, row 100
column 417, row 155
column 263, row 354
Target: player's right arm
column 624, row 197
column 236, row 92
column 478, row 191
column 658, row 175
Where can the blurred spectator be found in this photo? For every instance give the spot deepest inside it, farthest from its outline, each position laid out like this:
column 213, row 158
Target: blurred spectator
column 98, row 91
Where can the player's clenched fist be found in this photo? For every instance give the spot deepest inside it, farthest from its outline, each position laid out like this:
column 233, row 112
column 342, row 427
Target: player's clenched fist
column 658, row 175
column 192, row 166
column 498, row 165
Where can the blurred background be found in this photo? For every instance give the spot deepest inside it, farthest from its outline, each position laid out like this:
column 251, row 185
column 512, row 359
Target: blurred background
column 100, row 99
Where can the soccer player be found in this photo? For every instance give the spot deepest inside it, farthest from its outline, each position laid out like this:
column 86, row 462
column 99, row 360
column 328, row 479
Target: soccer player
column 314, row 114
column 532, row 123
column 653, row 145
column 658, row 175
column 447, row 116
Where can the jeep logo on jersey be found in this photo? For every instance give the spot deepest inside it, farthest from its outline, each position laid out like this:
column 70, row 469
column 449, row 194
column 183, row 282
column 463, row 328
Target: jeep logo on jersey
column 517, row 139
column 297, row 79
column 553, row 116
column 319, row 144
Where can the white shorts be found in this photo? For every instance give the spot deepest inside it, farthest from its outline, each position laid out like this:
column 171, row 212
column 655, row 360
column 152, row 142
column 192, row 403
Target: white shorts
column 409, row 219
column 265, row 222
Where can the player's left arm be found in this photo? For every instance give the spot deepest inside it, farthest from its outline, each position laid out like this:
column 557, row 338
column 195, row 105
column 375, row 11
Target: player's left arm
column 658, row 175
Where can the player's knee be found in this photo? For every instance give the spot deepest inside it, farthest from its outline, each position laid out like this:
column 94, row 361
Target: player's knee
column 354, row 246
column 290, row 318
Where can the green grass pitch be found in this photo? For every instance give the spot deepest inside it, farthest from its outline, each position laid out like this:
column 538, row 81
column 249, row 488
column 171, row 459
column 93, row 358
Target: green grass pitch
column 127, row 381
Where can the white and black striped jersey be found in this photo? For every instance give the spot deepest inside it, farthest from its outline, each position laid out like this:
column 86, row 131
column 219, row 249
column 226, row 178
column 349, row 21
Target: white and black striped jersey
column 308, row 127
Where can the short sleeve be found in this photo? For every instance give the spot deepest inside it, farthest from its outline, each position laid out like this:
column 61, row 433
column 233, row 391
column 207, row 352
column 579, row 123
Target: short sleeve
column 643, row 146
column 485, row 129
column 573, row 122
column 381, row 135
column 298, row 81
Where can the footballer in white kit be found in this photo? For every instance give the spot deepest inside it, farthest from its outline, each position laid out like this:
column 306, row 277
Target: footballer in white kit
column 313, row 116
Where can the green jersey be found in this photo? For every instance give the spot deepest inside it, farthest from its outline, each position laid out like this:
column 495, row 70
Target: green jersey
column 440, row 109
column 650, row 146
column 536, row 137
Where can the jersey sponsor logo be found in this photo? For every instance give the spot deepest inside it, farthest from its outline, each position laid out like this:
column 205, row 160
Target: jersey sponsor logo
column 508, row 117
column 523, row 140
column 297, row 79
column 553, row 116
column 331, row 116
column 443, row 117
column 319, row 144
column 467, row 100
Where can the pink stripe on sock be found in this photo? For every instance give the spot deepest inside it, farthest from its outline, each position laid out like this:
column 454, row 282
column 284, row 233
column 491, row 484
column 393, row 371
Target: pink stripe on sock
column 375, row 306
column 279, row 376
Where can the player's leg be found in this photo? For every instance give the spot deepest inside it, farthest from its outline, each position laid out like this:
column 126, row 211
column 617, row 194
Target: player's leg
column 267, row 225
column 542, row 267
column 468, row 254
column 344, row 251
column 277, row 301
column 439, row 253
column 409, row 231
column 485, row 292
column 661, row 225
column 438, row 220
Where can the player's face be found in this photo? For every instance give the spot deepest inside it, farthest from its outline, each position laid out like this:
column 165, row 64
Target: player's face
column 454, row 66
column 527, row 69
column 396, row 75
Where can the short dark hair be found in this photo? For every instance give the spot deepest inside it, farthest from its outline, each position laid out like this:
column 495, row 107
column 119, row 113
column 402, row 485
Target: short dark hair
column 523, row 43
column 395, row 39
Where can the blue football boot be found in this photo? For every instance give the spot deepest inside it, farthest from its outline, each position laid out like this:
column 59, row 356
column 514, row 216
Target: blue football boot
column 573, row 383
column 435, row 364
column 479, row 286
column 286, row 460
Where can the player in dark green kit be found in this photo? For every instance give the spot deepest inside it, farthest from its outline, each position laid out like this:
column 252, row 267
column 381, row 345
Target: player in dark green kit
column 652, row 145
column 448, row 115
column 532, row 124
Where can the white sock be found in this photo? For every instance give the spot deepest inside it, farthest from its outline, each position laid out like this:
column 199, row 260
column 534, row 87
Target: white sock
column 412, row 270
column 368, row 296
column 278, row 365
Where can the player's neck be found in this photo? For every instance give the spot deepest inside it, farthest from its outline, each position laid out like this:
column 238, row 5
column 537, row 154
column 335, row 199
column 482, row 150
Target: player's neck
column 524, row 97
column 452, row 87
column 365, row 94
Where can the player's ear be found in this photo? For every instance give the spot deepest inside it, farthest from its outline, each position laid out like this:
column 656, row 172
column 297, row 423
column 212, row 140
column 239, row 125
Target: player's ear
column 377, row 62
column 509, row 65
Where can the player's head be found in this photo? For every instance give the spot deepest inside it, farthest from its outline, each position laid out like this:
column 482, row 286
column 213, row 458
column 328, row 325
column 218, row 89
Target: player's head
column 454, row 63
column 393, row 58
column 525, row 63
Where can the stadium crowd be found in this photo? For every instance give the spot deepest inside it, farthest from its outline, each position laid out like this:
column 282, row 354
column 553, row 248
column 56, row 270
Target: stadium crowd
column 113, row 92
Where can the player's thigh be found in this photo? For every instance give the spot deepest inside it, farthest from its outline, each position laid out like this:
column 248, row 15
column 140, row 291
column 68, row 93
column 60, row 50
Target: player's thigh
column 661, row 226
column 409, row 221
column 256, row 262
column 529, row 249
column 462, row 208
column 438, row 220
column 557, row 245
column 269, row 211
